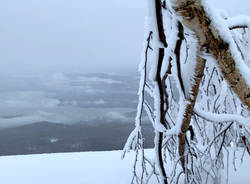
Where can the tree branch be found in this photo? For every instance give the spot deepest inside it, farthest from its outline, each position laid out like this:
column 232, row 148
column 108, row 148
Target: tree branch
column 159, row 18
column 222, row 117
column 195, row 18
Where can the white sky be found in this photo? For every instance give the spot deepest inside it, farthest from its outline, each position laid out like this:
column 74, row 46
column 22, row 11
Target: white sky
column 81, row 35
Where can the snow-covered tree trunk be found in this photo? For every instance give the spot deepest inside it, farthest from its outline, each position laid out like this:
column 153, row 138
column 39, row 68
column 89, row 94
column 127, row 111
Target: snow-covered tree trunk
column 197, row 16
column 195, row 114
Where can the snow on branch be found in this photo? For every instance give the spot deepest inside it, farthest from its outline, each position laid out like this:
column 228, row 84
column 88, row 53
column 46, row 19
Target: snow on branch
column 219, row 24
column 180, row 42
column 237, row 22
column 222, row 117
column 215, row 37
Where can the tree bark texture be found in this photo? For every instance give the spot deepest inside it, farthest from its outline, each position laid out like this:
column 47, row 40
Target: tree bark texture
column 162, row 38
column 196, row 19
column 198, row 74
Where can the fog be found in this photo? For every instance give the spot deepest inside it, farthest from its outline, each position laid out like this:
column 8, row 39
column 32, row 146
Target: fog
column 76, row 35
column 46, row 46
column 38, row 36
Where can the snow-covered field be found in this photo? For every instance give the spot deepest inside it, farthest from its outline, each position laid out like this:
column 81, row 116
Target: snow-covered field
column 83, row 168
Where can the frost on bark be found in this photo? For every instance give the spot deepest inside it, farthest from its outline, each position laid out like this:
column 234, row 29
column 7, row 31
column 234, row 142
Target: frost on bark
column 196, row 19
column 194, row 112
column 198, row 74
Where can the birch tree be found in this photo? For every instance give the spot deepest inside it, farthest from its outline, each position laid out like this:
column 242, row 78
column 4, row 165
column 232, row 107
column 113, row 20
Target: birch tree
column 195, row 89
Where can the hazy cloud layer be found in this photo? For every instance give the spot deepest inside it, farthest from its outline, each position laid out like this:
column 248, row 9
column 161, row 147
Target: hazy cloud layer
column 43, row 41
column 64, row 98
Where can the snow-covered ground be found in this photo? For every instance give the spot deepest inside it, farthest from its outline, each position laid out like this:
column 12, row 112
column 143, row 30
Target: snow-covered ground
column 83, row 168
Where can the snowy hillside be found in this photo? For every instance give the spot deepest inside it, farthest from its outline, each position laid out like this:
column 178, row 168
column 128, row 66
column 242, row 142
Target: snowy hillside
column 83, row 168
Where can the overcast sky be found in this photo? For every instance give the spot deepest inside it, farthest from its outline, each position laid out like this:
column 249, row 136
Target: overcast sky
column 76, row 35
